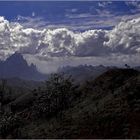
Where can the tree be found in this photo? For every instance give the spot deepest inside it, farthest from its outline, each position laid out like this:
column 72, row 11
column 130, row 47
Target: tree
column 57, row 95
column 60, row 89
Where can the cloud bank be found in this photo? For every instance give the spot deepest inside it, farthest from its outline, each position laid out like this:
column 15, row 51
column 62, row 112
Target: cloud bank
column 48, row 42
column 123, row 39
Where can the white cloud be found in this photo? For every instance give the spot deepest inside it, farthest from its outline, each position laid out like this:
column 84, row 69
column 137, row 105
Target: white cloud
column 51, row 44
column 125, row 37
column 103, row 4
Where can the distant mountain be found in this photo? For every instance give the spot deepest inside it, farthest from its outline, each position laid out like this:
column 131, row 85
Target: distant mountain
column 16, row 66
column 84, row 72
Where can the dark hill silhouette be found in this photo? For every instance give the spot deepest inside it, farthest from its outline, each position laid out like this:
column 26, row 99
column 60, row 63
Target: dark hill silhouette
column 109, row 107
column 106, row 107
column 16, row 66
column 82, row 73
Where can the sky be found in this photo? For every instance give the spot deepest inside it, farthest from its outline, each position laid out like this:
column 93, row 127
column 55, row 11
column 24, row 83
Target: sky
column 52, row 34
column 75, row 15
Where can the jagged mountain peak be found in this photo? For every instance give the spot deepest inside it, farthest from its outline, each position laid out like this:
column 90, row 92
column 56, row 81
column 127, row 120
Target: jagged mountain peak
column 17, row 66
column 17, row 59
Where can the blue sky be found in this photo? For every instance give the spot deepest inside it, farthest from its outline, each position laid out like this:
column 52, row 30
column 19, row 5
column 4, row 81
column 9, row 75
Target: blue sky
column 76, row 15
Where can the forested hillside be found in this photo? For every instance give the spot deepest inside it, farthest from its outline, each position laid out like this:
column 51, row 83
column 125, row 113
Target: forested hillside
column 106, row 107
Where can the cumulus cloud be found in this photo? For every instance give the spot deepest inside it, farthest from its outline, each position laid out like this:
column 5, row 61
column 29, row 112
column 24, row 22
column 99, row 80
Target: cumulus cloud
column 45, row 43
column 125, row 37
column 49, row 42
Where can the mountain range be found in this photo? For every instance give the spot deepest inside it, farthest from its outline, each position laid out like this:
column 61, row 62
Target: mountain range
column 83, row 73
column 17, row 67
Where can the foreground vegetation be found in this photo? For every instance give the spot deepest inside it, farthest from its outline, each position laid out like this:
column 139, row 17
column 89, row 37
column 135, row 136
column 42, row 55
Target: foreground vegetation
column 107, row 107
